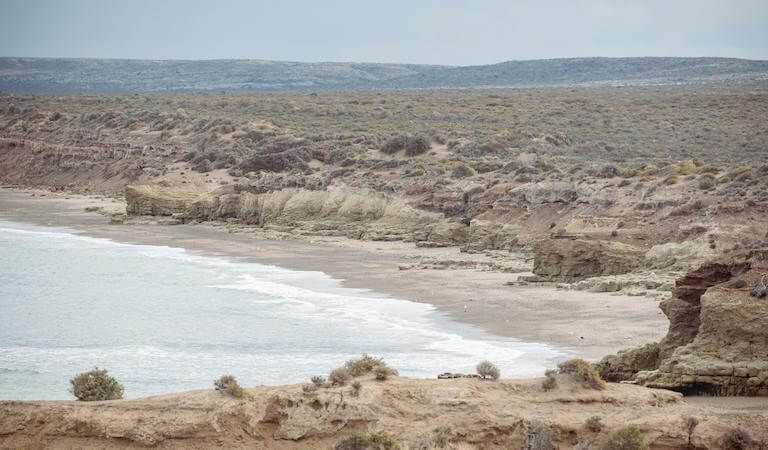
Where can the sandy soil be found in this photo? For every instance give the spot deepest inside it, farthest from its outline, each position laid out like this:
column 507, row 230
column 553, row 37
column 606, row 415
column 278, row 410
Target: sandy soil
column 590, row 325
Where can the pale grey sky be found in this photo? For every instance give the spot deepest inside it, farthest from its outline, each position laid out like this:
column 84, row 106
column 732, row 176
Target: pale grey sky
column 410, row 31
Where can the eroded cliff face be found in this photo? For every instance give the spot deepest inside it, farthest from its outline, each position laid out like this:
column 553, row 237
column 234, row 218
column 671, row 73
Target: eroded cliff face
column 458, row 413
column 717, row 342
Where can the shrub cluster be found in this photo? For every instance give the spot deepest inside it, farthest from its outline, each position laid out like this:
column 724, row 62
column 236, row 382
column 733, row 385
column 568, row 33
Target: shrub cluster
column 227, row 384
column 413, row 145
column 627, row 438
column 96, row 385
column 487, row 369
column 582, row 372
column 365, row 441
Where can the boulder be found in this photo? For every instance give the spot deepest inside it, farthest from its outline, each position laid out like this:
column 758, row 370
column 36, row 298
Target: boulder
column 575, row 259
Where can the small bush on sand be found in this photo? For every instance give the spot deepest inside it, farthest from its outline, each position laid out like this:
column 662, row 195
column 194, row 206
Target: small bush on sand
column 413, row 145
column 487, row 369
column 95, row 385
column 550, row 382
column 339, row 376
column 365, row 441
column 706, row 181
column 736, row 439
column 539, row 436
column 318, row 381
column 627, row 438
column 416, row 145
column 227, row 384
column 582, row 372
column 594, row 424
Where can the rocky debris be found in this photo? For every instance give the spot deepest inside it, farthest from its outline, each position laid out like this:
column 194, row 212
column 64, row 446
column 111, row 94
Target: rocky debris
column 717, row 342
column 575, row 259
column 477, row 413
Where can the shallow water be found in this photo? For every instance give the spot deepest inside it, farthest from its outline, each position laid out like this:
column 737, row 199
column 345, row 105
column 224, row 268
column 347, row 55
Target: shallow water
column 163, row 320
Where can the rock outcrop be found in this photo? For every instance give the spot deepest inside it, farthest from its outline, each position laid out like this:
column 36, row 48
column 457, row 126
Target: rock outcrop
column 575, row 259
column 718, row 334
column 145, row 200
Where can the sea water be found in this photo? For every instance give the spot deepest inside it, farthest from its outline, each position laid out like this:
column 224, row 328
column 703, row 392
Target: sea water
column 163, row 320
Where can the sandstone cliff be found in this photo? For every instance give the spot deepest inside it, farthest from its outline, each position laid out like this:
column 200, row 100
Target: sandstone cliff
column 469, row 413
column 718, row 334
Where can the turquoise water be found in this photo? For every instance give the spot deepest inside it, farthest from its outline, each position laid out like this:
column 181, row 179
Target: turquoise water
column 163, row 320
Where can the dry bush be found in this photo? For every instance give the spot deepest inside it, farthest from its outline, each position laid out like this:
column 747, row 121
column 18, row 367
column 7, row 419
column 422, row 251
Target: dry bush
column 736, row 439
column 95, row 385
column 383, row 372
column 583, row 372
column 366, row 441
column 594, row 424
column 339, row 376
column 318, row 380
column 369, row 364
column 627, row 438
column 416, row 145
column 487, row 369
column 539, row 436
column 550, row 382
column 227, row 384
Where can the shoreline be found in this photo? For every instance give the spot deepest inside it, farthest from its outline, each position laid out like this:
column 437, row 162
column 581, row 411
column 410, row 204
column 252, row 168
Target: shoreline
column 584, row 324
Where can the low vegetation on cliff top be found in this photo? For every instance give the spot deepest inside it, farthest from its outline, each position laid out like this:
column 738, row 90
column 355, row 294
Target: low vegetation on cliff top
column 96, row 385
column 227, row 384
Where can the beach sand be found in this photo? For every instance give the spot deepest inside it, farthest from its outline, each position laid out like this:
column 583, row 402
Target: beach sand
column 588, row 325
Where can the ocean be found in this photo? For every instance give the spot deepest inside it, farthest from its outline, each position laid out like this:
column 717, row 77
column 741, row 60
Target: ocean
column 163, row 320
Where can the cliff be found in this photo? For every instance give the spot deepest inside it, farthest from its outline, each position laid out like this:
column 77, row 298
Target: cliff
column 717, row 342
column 458, row 413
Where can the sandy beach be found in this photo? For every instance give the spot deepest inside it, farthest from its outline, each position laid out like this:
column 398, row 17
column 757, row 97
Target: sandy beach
column 588, row 325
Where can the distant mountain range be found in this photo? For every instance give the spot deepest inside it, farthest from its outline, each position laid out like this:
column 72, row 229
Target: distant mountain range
column 65, row 76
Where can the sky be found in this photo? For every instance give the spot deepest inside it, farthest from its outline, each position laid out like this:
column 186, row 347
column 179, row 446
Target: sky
column 450, row 32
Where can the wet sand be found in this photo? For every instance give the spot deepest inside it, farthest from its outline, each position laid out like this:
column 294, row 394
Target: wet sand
column 588, row 325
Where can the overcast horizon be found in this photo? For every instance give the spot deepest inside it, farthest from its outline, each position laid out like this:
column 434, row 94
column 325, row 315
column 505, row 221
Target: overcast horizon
column 428, row 32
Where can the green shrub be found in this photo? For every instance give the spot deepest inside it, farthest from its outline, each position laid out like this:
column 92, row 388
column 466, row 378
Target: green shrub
column 96, row 385
column 487, row 369
column 627, row 438
column 582, row 372
column 365, row 441
column 364, row 364
column 227, row 384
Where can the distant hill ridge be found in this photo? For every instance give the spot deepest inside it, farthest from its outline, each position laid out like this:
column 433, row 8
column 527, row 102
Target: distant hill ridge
column 60, row 75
